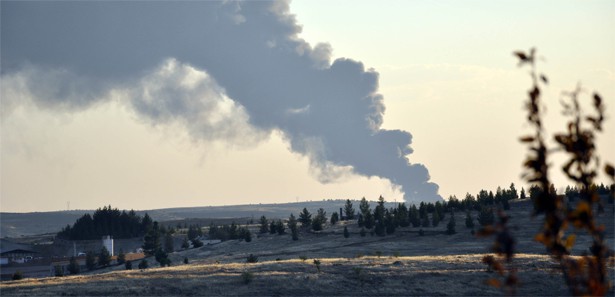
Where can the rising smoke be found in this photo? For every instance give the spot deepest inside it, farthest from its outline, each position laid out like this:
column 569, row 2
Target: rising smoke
column 233, row 71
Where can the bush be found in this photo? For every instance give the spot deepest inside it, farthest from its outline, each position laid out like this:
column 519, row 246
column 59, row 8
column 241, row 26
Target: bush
column 363, row 232
column 303, row 258
column 121, row 258
column 17, row 275
column 317, row 264
column 252, row 259
column 73, row 266
column 128, row 265
column 197, row 243
column 421, row 232
column 247, row 277
column 346, row 233
column 185, row 260
column 143, row 264
column 58, row 270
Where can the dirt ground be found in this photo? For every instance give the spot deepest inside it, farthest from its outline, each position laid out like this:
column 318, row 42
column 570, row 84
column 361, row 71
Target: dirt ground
column 403, row 264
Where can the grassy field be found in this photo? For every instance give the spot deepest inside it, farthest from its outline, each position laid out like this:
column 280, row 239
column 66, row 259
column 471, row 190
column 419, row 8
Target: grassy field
column 397, row 265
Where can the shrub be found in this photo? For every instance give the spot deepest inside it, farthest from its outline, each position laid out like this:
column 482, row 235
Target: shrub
column 185, row 260
column 317, row 264
column 378, row 253
column 121, row 258
column 17, row 275
column 128, row 265
column 346, row 233
column 363, row 232
column 421, row 232
column 58, row 270
column 247, row 277
column 197, row 243
column 303, row 258
column 143, row 264
column 252, row 259
column 73, row 266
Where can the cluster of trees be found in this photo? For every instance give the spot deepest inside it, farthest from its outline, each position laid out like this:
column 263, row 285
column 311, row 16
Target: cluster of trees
column 226, row 232
column 158, row 241
column 107, row 221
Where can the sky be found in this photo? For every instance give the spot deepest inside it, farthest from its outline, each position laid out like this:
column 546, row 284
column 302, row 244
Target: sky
column 157, row 104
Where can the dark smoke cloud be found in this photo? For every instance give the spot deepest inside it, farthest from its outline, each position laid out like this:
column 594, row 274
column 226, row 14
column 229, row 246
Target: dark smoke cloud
column 188, row 62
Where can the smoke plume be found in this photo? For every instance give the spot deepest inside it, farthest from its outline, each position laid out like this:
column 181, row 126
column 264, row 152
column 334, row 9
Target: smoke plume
column 232, row 71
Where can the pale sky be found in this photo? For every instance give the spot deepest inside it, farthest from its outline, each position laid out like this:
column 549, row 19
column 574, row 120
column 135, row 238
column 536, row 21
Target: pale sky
column 102, row 130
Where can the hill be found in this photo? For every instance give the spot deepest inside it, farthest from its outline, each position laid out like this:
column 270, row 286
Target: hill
column 35, row 223
column 401, row 264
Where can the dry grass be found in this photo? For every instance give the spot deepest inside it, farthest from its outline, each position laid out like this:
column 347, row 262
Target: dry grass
column 409, row 265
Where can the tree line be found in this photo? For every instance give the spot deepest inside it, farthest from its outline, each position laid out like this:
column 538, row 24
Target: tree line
column 107, row 221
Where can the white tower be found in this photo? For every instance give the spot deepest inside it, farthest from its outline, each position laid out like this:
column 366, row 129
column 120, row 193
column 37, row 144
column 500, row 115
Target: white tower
column 108, row 243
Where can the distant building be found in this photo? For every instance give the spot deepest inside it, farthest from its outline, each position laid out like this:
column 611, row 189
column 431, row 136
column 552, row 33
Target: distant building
column 108, row 243
column 11, row 252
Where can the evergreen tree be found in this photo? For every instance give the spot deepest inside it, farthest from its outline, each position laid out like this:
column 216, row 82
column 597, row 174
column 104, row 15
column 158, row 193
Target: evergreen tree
column 334, row 218
column 513, row 191
column 121, row 257
column 90, row 261
column 185, row 243
column 319, row 220
column 469, row 220
column 151, row 242
column 486, row 217
column 379, row 211
column 162, row 258
column 522, row 195
column 349, row 210
column 363, row 232
column 128, row 265
column 264, row 225
column 439, row 209
column 450, row 227
column 295, row 234
column 305, row 218
column 168, row 243
column 143, row 264
column 73, row 266
column 346, row 233
column 272, row 227
column 425, row 221
column 185, row 260
column 292, row 225
column 435, row 219
column 104, row 258
column 196, row 243
column 360, row 221
column 279, row 226
column 368, row 220
column 390, row 223
column 402, row 215
column 413, row 216
column 247, row 236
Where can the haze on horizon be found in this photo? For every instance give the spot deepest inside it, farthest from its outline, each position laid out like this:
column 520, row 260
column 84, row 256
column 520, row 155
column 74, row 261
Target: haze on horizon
column 157, row 105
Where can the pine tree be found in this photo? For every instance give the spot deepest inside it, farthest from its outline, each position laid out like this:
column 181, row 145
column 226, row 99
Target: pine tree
column 185, row 243
column 143, row 264
column 272, row 227
column 279, row 226
column 90, row 261
column 469, row 220
column 522, row 194
column 319, row 220
column 402, row 215
column 450, row 227
column 486, row 217
column 425, row 222
column 168, row 243
column 435, row 219
column 334, row 218
column 162, row 258
column 390, row 223
column 305, row 218
column 73, row 266
column 128, row 265
column 151, row 242
column 349, row 210
column 264, row 225
column 104, row 258
column 413, row 216
column 363, row 232
column 121, row 257
column 292, row 225
column 247, row 236
column 346, row 233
